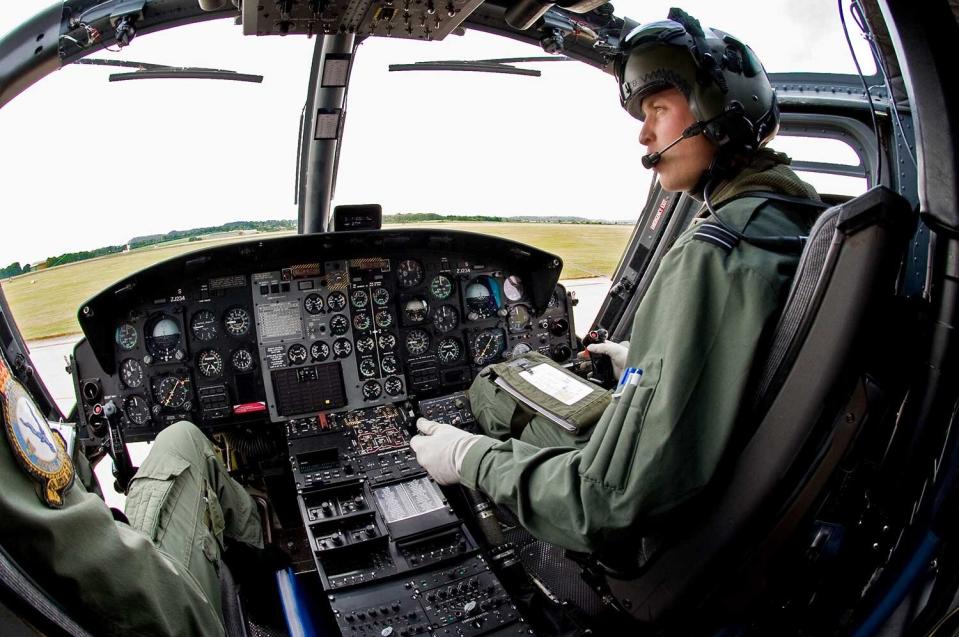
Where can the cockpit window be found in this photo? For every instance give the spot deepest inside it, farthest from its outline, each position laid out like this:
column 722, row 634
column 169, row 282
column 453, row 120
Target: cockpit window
column 97, row 173
column 818, row 150
column 513, row 154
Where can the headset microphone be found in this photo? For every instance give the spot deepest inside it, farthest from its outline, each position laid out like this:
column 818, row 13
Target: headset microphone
column 652, row 159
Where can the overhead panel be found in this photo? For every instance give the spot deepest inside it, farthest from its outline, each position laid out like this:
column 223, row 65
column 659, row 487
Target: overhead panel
column 409, row 19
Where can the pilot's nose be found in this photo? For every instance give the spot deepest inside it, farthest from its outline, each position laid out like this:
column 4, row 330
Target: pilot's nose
column 646, row 136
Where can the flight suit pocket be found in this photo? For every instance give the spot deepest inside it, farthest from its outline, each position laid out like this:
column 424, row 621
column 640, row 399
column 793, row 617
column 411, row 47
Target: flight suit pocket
column 213, row 517
column 153, row 491
column 609, row 456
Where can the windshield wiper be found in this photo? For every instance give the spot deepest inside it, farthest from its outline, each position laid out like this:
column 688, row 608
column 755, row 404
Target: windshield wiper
column 495, row 65
column 148, row 71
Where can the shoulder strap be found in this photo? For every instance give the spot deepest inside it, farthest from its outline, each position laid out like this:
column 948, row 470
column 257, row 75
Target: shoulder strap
column 775, row 196
column 719, row 233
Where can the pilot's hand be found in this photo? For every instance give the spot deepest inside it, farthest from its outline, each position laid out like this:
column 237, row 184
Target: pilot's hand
column 441, row 449
column 616, row 352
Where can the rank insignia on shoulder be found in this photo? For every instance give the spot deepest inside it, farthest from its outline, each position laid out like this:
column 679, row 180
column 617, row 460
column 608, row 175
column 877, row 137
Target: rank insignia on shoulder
column 40, row 452
column 717, row 235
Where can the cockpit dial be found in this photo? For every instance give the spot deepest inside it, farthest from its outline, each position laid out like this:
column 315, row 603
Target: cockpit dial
column 336, row 301
column 163, row 338
column 210, row 363
column 487, row 346
column 409, row 273
column 313, row 303
column 372, row 390
column 518, row 319
column 482, row 298
column 319, row 351
column 365, row 345
column 381, row 296
column 513, row 288
column 203, row 325
column 359, row 299
column 342, row 347
column 441, row 287
column 393, row 386
column 389, row 364
column 383, row 318
column 137, row 410
column 131, row 373
column 236, row 321
column 242, row 360
column 449, row 350
column 416, row 310
column 296, row 354
column 339, row 325
column 362, row 321
column 386, row 342
column 126, row 336
column 172, row 392
column 367, row 368
column 417, row 342
column 445, row 318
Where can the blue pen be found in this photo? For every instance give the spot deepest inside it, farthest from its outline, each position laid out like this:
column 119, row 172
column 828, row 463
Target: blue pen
column 634, row 377
column 623, row 380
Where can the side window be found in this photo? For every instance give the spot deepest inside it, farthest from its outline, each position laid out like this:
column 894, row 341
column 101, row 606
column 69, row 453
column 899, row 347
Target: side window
column 812, row 157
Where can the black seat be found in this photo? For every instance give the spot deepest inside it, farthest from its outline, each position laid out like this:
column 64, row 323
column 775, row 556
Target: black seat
column 809, row 403
column 233, row 619
column 26, row 609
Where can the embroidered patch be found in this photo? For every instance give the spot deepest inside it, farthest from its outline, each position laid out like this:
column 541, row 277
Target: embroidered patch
column 40, row 452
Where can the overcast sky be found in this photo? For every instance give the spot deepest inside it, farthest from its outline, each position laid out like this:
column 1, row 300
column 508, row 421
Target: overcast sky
column 87, row 163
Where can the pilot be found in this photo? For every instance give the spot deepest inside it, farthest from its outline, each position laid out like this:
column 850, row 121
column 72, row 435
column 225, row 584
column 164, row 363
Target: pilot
column 708, row 111
column 157, row 574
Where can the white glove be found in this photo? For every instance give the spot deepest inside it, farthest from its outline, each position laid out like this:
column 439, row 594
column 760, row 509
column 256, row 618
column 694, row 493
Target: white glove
column 441, row 449
column 617, row 354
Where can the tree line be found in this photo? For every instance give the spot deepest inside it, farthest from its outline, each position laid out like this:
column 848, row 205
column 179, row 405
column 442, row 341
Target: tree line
column 194, row 234
column 272, row 225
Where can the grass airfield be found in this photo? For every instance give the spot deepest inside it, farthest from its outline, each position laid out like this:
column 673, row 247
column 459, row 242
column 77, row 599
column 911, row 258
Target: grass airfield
column 45, row 303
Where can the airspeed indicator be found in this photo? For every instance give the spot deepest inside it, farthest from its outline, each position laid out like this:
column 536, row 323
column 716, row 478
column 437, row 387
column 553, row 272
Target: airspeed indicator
column 236, row 321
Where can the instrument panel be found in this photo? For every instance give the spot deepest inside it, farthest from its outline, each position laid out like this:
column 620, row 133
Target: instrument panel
column 269, row 331
column 336, row 343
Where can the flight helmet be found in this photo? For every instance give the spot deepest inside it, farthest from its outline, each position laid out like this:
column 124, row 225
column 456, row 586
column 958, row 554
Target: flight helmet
column 726, row 85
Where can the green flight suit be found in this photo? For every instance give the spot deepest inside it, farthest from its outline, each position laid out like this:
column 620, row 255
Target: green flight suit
column 155, row 576
column 695, row 336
